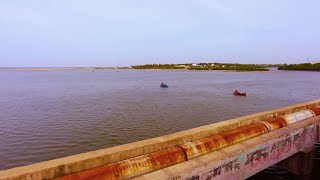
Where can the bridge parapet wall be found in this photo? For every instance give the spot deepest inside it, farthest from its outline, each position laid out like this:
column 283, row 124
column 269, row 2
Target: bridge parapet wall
column 148, row 163
column 247, row 158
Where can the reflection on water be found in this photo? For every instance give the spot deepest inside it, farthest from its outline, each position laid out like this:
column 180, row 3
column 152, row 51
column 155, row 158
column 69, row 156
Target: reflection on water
column 50, row 114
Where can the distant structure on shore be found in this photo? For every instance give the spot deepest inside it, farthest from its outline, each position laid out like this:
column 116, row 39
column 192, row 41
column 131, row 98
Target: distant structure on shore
column 315, row 62
column 207, row 66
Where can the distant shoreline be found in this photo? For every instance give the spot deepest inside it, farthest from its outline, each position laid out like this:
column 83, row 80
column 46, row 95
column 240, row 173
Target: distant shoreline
column 110, row 68
column 193, row 70
column 58, row 68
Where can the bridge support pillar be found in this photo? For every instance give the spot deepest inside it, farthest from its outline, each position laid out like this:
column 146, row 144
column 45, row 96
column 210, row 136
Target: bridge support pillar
column 300, row 164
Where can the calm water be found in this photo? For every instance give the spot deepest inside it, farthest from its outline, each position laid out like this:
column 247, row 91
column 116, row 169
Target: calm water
column 51, row 114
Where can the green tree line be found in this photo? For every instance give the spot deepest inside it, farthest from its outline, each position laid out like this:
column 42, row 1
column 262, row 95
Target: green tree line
column 232, row 67
column 301, row 67
column 204, row 66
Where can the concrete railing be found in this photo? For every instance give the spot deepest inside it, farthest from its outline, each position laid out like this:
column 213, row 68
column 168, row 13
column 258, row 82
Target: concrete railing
column 290, row 147
column 151, row 147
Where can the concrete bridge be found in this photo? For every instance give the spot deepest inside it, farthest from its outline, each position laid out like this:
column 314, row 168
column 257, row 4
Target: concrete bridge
column 232, row 149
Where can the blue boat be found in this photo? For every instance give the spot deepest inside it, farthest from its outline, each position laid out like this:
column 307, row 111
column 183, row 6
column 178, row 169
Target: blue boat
column 163, row 85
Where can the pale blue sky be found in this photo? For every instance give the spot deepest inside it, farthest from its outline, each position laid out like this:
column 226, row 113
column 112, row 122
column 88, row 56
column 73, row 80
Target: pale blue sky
column 126, row 32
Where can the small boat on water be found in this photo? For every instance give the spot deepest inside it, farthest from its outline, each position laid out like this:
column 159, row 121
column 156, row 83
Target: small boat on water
column 239, row 93
column 163, row 85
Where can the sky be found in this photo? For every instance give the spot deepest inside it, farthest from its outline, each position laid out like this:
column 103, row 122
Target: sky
column 78, row 33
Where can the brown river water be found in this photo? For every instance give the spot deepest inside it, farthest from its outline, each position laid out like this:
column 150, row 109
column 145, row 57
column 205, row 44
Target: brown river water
column 51, row 114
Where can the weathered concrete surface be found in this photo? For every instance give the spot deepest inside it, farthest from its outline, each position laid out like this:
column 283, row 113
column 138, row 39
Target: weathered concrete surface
column 247, row 158
column 80, row 162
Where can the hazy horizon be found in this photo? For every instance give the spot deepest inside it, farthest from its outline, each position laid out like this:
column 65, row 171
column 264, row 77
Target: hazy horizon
column 123, row 33
column 122, row 66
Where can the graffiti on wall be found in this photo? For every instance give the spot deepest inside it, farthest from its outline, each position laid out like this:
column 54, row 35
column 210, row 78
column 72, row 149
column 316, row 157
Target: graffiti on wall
column 253, row 160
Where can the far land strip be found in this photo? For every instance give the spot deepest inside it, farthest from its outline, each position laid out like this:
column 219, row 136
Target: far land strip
column 189, row 66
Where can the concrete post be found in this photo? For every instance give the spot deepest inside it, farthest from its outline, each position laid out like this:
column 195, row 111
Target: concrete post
column 300, row 164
